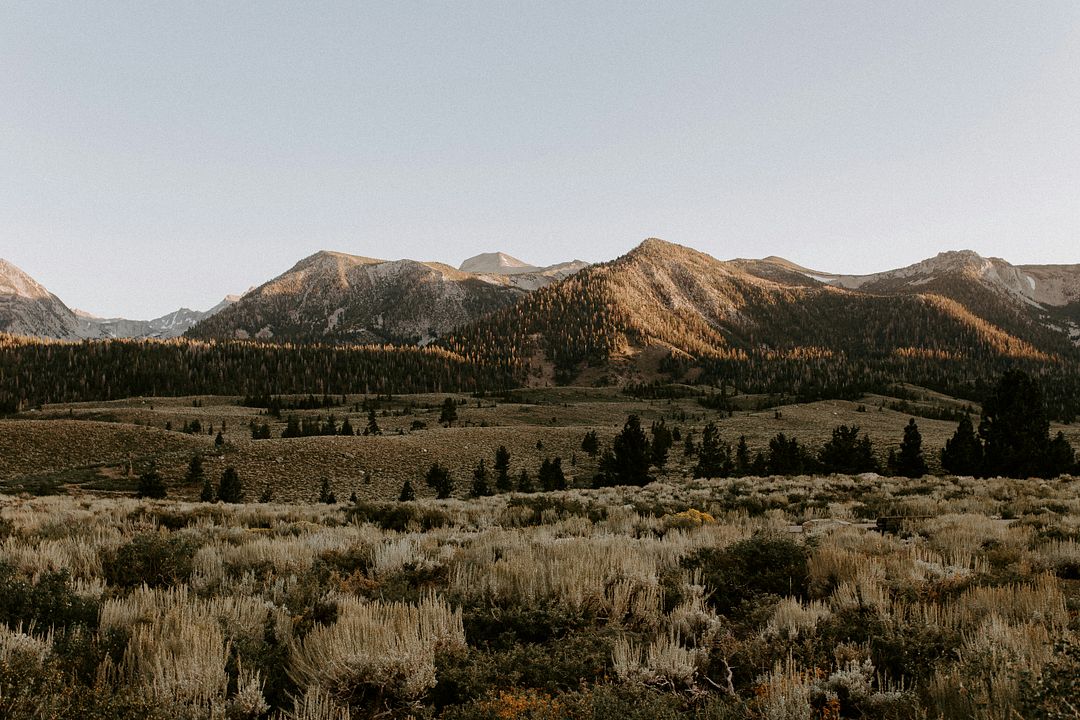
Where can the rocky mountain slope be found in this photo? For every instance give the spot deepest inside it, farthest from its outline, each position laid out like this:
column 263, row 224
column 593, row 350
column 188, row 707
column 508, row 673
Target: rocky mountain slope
column 693, row 311
column 27, row 308
column 336, row 297
column 172, row 325
column 1040, row 300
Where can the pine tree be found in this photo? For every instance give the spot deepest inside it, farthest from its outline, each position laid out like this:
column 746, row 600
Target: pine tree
column 688, row 446
column 787, row 457
column 480, row 486
column 909, row 462
column 448, row 414
column 326, row 493
column 267, row 493
column 627, row 463
column 292, row 428
column 846, row 453
column 551, row 475
column 589, row 444
column 1015, row 430
column 661, row 443
column 151, row 485
column 525, row 483
column 347, row 428
column 439, row 479
column 230, row 489
column 1061, row 458
column 714, row 456
column 407, row 492
column 963, row 452
column 219, row 440
column 197, row 476
column 503, row 483
column 372, row 424
column 742, row 457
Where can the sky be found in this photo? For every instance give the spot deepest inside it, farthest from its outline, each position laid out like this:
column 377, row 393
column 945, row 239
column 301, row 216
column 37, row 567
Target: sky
column 162, row 154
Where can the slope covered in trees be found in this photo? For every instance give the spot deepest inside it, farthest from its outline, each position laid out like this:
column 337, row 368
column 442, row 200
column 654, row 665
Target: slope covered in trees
column 776, row 331
column 36, row 371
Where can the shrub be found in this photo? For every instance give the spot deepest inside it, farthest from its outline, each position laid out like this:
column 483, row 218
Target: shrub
column 156, row 559
column 49, row 602
column 762, row 565
column 398, row 516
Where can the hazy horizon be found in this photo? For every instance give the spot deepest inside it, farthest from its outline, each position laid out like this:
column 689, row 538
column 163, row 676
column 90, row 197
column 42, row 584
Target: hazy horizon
column 163, row 157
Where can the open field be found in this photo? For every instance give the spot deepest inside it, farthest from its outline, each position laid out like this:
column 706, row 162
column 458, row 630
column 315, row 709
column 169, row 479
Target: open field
column 88, row 447
column 748, row 598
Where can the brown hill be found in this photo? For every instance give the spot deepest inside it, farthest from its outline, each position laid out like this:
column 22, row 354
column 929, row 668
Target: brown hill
column 757, row 321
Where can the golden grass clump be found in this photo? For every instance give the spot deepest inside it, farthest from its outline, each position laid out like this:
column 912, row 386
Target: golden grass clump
column 389, row 646
column 179, row 659
column 238, row 616
column 663, row 662
column 791, row 618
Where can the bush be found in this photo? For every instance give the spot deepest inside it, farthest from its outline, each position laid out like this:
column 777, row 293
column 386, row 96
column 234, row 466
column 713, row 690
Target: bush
column 156, row 559
column 762, row 565
column 50, row 602
column 398, row 516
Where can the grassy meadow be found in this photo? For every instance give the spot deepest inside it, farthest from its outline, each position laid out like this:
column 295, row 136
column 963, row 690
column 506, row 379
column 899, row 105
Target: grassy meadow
column 770, row 598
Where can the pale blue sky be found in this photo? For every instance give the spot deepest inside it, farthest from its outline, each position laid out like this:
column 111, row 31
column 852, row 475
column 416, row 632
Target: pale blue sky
column 158, row 154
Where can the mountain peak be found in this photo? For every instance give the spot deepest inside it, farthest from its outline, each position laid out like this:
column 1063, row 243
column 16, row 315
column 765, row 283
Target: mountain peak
column 14, row 281
column 496, row 263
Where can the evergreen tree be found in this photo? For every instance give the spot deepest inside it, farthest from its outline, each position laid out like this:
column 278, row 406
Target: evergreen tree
column 742, row 457
column 963, row 452
column 439, row 479
column 1014, row 429
column 1060, row 458
column 688, row 447
column 267, row 493
column 347, row 428
column 503, row 483
column 407, row 492
column 628, row 461
column 551, row 475
column 590, row 444
column 372, row 424
column 525, row 483
column 714, row 456
column 292, row 428
column 661, row 443
column 219, row 440
column 909, row 462
column 326, row 492
column 448, row 414
column 846, row 453
column 480, row 485
column 787, row 457
column 197, row 476
column 230, row 489
column 151, row 485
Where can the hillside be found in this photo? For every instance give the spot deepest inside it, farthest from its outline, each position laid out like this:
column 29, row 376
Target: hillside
column 664, row 311
column 27, row 308
column 1039, row 302
column 337, row 297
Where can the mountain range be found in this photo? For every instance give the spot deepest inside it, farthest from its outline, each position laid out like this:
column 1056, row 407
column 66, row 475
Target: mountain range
column 27, row 308
column 659, row 298
column 334, row 297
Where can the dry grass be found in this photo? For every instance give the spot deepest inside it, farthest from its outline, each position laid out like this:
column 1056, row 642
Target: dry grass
column 612, row 555
column 71, row 437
